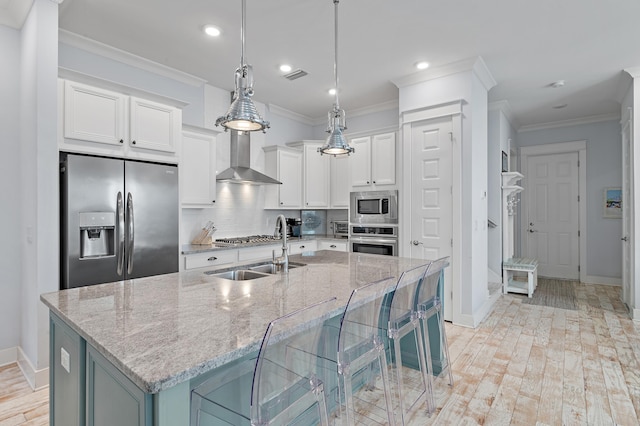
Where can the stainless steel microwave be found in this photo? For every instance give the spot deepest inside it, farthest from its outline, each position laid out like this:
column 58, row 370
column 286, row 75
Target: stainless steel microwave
column 371, row 207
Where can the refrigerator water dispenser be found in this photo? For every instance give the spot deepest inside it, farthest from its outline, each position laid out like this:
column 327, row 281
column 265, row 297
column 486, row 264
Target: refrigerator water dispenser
column 97, row 234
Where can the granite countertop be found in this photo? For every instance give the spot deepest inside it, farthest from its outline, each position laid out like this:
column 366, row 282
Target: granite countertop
column 163, row 330
column 201, row 248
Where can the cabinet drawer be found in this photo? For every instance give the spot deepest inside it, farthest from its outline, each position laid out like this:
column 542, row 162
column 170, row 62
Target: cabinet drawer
column 302, row 246
column 263, row 252
column 212, row 258
column 333, row 245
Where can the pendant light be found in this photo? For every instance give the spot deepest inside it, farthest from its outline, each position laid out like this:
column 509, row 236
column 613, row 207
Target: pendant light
column 336, row 143
column 242, row 114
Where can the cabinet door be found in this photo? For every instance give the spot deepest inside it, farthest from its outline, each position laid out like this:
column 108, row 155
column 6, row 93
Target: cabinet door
column 360, row 161
column 92, row 114
column 340, row 182
column 383, row 159
column 113, row 399
column 197, row 170
column 290, row 174
column 154, row 126
column 316, row 177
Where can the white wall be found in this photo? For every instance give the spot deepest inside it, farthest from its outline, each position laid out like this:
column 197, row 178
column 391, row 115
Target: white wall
column 604, row 169
column 10, row 217
column 39, row 177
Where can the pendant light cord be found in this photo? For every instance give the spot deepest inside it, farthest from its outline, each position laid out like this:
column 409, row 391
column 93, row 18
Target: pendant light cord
column 242, row 33
column 335, row 63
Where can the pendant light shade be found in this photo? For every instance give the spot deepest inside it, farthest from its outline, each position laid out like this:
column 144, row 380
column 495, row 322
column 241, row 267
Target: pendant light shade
column 336, row 143
column 242, row 114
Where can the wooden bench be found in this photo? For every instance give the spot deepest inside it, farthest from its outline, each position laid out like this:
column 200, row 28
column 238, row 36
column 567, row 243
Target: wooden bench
column 514, row 264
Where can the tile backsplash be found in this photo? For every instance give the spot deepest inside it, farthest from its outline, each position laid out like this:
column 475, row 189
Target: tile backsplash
column 239, row 211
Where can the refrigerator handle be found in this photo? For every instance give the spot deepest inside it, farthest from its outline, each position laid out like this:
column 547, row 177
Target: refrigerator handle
column 120, row 236
column 130, row 233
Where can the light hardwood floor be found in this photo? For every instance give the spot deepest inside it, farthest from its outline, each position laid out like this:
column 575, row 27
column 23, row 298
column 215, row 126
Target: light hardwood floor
column 524, row 365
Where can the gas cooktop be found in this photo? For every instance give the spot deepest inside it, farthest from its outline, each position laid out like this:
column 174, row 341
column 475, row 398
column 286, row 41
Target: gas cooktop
column 251, row 239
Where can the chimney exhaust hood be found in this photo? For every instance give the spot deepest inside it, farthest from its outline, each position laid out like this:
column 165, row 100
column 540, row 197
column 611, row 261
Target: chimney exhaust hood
column 240, row 158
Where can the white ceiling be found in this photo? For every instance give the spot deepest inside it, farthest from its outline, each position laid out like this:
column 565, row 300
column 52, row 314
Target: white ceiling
column 525, row 44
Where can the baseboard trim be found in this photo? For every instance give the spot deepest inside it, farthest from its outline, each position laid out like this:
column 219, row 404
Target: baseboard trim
column 593, row 279
column 37, row 379
column 8, row 356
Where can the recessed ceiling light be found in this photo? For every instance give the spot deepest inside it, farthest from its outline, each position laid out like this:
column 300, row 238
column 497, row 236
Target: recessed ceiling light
column 211, row 30
column 285, row 68
column 422, row 65
column 332, row 92
column 560, row 106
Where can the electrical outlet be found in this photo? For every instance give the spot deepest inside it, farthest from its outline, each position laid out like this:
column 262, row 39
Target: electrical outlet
column 64, row 360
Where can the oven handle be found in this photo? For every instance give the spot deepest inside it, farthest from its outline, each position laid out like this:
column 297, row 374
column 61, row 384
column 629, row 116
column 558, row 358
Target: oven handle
column 374, row 240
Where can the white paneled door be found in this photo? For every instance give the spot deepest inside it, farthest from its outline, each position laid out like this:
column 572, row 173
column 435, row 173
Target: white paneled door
column 551, row 220
column 431, row 200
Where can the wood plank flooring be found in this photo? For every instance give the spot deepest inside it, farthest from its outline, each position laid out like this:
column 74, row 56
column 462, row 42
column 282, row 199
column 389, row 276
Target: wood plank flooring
column 524, row 365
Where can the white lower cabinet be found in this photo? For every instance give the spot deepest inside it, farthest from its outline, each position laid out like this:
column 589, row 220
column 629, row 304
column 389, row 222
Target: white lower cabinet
column 297, row 247
column 333, row 245
column 210, row 258
column 255, row 253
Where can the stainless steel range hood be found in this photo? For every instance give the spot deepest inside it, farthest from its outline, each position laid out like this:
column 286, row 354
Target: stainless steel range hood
column 240, row 158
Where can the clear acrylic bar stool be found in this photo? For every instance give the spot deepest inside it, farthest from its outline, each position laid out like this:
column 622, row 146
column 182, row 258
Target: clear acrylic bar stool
column 412, row 381
column 362, row 359
column 280, row 387
column 430, row 305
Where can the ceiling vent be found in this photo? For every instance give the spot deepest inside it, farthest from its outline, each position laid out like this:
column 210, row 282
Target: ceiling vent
column 295, row 74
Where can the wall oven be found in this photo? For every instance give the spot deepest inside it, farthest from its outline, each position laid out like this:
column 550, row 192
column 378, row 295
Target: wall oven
column 374, row 240
column 373, row 207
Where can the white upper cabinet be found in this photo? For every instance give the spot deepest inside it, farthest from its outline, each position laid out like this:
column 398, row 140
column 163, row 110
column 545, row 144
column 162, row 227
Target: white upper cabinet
column 153, row 125
column 316, row 176
column 93, row 114
column 284, row 164
column 374, row 161
column 339, row 181
column 198, row 168
column 105, row 122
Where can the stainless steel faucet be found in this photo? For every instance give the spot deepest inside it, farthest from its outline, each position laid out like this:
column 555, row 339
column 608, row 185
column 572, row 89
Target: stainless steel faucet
column 281, row 261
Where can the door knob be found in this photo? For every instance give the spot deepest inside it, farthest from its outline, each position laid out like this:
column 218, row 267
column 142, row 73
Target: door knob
column 416, row 242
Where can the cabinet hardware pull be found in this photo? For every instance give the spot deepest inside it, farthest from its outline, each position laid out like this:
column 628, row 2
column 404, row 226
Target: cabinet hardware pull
column 332, row 246
column 301, row 247
column 367, row 182
column 212, row 258
column 133, row 142
column 121, row 140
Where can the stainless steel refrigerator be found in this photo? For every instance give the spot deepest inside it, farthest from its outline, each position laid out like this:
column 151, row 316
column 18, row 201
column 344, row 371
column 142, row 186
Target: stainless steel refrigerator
column 118, row 219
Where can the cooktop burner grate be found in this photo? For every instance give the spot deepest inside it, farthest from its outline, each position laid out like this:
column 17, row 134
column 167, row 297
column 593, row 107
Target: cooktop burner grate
column 248, row 240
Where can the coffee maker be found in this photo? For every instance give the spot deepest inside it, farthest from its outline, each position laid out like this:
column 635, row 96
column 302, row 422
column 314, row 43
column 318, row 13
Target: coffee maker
column 293, row 226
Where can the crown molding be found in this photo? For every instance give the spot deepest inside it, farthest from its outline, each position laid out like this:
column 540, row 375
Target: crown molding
column 371, row 109
column 505, row 107
column 633, row 71
column 127, row 58
column 573, row 122
column 476, row 64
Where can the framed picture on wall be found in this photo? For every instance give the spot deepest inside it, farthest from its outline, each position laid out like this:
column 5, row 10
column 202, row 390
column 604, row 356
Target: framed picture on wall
column 612, row 203
column 505, row 162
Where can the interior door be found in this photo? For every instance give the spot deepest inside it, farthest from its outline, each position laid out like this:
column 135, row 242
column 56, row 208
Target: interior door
column 551, row 222
column 628, row 290
column 431, row 199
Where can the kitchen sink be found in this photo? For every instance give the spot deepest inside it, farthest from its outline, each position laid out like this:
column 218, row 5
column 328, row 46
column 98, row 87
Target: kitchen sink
column 250, row 272
column 238, row 274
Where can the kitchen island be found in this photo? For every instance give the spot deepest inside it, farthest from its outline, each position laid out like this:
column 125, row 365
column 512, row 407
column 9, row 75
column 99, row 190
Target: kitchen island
column 156, row 338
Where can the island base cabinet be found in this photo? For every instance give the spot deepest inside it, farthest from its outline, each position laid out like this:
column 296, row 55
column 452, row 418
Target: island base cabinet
column 66, row 358
column 113, row 399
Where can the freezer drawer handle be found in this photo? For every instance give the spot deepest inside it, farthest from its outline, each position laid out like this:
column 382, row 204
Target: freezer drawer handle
column 120, row 215
column 212, row 258
column 130, row 233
